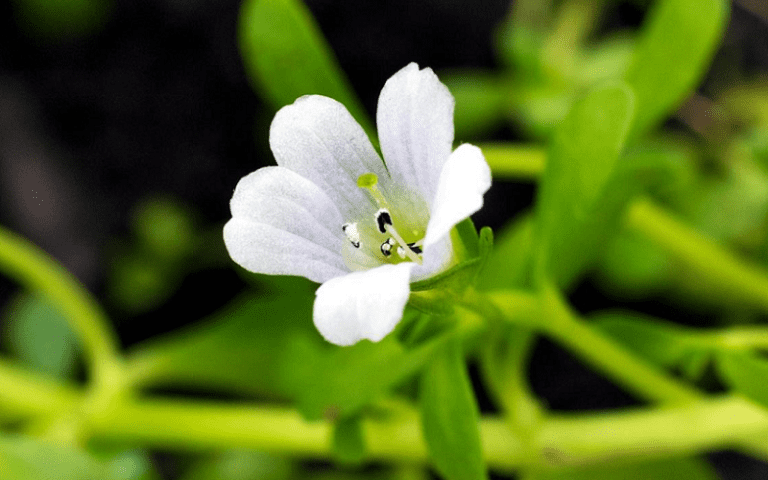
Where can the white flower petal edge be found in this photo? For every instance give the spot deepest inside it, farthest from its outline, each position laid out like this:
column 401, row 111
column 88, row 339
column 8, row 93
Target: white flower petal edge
column 360, row 305
column 283, row 224
column 463, row 181
column 415, row 122
column 262, row 248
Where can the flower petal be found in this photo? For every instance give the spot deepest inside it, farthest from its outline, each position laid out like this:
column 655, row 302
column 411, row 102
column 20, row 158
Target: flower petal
column 284, row 199
column 463, row 181
column 415, row 122
column 317, row 138
column 362, row 305
column 262, row 248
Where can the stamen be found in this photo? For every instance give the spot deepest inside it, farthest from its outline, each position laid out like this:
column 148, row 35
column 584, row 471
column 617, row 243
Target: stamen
column 416, row 249
column 383, row 218
column 353, row 235
column 386, row 247
column 401, row 252
column 408, row 251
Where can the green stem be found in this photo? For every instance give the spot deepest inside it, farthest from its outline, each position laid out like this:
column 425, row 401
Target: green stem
column 695, row 427
column 25, row 394
column 607, row 356
column 731, row 275
column 563, row 440
column 35, row 269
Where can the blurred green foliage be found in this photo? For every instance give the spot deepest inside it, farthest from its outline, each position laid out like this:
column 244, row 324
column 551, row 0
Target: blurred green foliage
column 591, row 101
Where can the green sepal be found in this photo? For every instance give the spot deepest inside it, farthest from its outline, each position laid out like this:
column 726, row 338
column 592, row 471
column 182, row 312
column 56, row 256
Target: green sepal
column 471, row 249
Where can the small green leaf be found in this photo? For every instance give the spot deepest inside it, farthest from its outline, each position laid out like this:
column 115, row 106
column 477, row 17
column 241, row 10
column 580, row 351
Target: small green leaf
column 39, row 336
column 348, row 441
column 480, row 101
column 583, row 190
column 693, row 468
column 508, row 265
column 240, row 349
column 339, row 382
column 673, row 51
column 450, row 416
column 286, row 56
column 746, row 373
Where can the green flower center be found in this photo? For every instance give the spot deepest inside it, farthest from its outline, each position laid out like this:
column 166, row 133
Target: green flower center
column 394, row 233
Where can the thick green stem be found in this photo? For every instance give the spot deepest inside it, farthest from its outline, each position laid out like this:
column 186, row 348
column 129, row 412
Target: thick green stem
column 563, row 440
column 35, row 269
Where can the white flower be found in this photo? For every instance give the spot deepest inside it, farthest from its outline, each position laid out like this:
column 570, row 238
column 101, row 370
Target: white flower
column 333, row 212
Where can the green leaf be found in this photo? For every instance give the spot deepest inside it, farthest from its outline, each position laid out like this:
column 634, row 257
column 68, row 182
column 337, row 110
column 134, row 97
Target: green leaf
column 348, row 441
column 39, row 336
column 480, row 101
column 746, row 373
column 508, row 265
column 667, row 469
column 240, row 349
column 583, row 190
column 338, row 382
column 286, row 56
column 30, row 459
column 450, row 416
column 673, row 52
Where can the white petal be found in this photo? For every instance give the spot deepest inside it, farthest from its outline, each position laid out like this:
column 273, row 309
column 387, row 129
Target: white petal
column 262, row 248
column 285, row 200
column 317, row 138
column 362, row 304
column 437, row 257
column 415, row 122
column 463, row 181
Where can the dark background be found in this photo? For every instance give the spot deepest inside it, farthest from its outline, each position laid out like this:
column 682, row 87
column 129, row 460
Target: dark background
column 154, row 100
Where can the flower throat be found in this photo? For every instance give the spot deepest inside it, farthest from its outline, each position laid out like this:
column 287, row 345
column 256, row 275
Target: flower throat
column 396, row 246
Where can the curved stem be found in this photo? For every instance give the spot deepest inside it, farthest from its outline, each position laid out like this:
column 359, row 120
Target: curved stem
column 35, row 269
column 607, row 356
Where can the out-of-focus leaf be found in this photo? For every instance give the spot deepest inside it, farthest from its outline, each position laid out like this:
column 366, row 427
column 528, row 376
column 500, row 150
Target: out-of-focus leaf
column 632, row 267
column 286, row 56
column 36, row 333
column 348, row 441
column 62, row 20
column 673, row 51
column 240, row 349
column 509, row 263
column 30, row 459
column 480, row 101
column 450, row 416
column 693, row 468
column 163, row 228
column 240, row 465
column 746, row 373
column 582, row 191
column 338, row 382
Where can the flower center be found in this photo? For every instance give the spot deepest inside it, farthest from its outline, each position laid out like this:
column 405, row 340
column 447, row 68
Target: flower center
column 394, row 233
